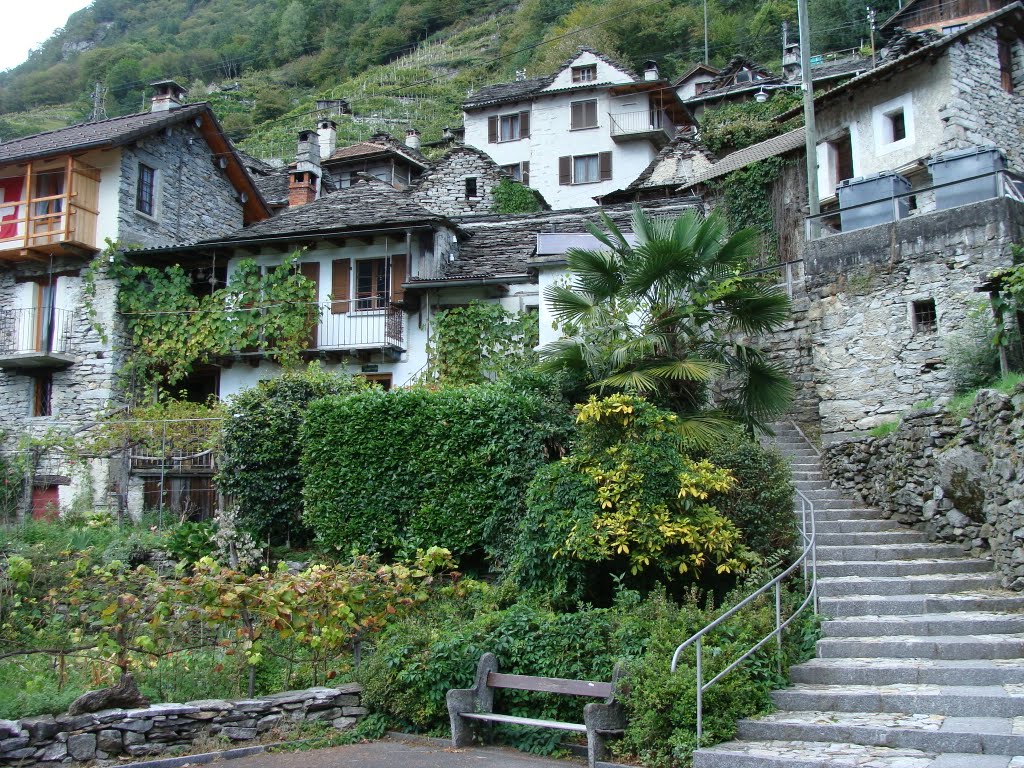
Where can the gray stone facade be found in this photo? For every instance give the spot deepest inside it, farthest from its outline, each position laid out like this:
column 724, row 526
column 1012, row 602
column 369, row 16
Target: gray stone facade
column 153, row 730
column 962, row 479
column 443, row 189
column 194, row 198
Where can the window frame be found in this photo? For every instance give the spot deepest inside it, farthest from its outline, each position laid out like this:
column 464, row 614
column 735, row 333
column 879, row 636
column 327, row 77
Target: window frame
column 596, row 158
column 583, row 114
column 924, row 315
column 373, row 300
column 142, row 186
column 584, row 73
column 472, row 184
column 512, row 121
column 897, row 117
column 42, row 395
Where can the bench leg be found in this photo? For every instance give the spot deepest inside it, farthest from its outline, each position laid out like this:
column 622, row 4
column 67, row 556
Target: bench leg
column 601, row 719
column 459, row 701
column 596, row 748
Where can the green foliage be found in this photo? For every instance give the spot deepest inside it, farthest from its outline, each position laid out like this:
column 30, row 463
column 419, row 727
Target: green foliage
column 480, row 341
column 625, row 500
column 885, row 428
column 387, row 471
column 272, row 313
column 259, row 464
column 961, row 404
column 513, row 197
column 735, row 126
column 747, row 199
column 973, row 359
column 189, row 542
column 11, row 481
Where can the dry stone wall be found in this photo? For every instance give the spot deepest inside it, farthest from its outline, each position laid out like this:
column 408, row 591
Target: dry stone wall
column 443, row 189
column 961, row 479
column 160, row 728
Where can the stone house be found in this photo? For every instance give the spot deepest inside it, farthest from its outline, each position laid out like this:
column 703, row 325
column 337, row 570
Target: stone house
column 739, row 81
column 462, row 183
column 155, row 178
column 579, row 133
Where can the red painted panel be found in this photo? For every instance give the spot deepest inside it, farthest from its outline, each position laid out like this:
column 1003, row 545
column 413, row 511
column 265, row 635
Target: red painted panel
column 46, row 503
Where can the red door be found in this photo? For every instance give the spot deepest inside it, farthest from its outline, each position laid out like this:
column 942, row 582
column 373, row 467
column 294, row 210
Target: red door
column 45, row 503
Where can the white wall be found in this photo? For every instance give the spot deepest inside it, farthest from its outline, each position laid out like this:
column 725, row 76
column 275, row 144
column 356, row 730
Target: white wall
column 688, row 89
column 109, row 164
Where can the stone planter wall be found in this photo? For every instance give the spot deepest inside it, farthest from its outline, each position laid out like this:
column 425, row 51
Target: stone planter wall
column 961, row 479
column 160, row 728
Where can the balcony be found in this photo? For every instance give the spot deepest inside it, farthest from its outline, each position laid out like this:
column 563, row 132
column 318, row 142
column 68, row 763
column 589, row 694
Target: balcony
column 35, row 338
column 48, row 210
column 652, row 125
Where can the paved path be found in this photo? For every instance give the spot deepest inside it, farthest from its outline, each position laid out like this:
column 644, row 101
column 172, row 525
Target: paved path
column 394, row 754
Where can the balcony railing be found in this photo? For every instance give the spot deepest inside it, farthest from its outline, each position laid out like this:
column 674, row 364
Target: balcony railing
column 918, row 202
column 365, row 323
column 645, row 124
column 49, row 209
column 32, row 334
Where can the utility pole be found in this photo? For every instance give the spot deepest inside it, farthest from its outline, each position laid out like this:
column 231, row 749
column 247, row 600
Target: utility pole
column 871, row 21
column 99, row 108
column 813, row 203
column 706, row 31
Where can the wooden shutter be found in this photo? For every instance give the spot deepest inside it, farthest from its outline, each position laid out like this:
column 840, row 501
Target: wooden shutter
column 524, row 172
column 576, row 116
column 1006, row 65
column 605, row 161
column 524, row 124
column 397, row 278
column 492, row 130
column 311, row 271
column 565, row 170
column 589, row 114
column 341, row 276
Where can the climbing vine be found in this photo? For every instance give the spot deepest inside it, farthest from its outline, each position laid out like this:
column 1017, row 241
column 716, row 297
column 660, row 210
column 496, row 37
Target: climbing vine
column 512, row 197
column 736, row 126
column 746, row 194
column 1009, row 299
column 479, row 341
column 170, row 328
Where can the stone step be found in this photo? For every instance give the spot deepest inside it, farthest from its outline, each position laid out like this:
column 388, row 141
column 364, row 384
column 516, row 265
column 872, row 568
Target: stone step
column 927, row 732
column 807, row 486
column 825, row 493
column 836, row 586
column 859, row 526
column 817, row 754
column 857, row 538
column 824, row 505
column 881, row 671
column 981, row 646
column 823, row 514
column 952, row 700
column 928, row 624
column 901, row 567
column 886, row 552
column 902, row 605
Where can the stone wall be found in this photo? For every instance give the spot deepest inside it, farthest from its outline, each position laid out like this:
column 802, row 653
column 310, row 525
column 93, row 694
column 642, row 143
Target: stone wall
column 161, row 728
column 443, row 189
column 194, row 198
column 962, row 479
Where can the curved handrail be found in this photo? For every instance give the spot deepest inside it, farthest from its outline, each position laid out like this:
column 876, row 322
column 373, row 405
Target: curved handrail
column 808, row 561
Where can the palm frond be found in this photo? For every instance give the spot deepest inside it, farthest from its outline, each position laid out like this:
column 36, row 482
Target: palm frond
column 569, row 306
column 690, row 369
column 597, row 272
column 636, row 380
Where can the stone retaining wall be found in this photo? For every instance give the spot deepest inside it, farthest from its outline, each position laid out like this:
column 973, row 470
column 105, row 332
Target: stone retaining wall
column 961, row 479
column 162, row 727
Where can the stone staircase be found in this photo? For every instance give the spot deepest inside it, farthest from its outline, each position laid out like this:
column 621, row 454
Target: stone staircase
column 921, row 662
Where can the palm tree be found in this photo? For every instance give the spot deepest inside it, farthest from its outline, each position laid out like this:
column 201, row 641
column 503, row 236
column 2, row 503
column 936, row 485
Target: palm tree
column 668, row 318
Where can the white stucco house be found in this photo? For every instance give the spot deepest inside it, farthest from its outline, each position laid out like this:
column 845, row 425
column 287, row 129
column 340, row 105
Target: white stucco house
column 590, row 128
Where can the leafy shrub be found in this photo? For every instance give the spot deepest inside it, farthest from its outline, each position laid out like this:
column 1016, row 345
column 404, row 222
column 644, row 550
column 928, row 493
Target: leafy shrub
column 189, row 541
column 410, row 468
column 735, row 126
column 973, row 360
column 259, row 467
column 513, row 197
column 482, row 340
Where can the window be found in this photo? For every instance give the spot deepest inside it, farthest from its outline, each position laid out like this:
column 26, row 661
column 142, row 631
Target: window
column 584, row 74
column 519, row 171
column 585, row 169
column 511, row 127
column 471, row 189
column 925, row 318
column 1006, row 65
column 42, row 394
column 371, row 283
column 583, row 114
column 743, row 76
column 383, row 380
column 145, row 190
column 896, row 123
column 841, row 159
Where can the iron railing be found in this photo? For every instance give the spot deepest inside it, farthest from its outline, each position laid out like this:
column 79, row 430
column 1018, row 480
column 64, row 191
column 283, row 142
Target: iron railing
column 359, row 324
column 790, row 274
column 35, row 329
column 1006, row 184
column 807, row 564
column 642, row 122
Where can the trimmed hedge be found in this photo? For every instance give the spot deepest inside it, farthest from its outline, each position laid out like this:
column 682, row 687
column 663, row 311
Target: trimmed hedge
column 406, row 469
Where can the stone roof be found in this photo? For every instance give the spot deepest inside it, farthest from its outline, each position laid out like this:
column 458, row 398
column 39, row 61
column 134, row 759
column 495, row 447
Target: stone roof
column 503, row 244
column 693, row 70
column 849, row 67
column 888, row 69
column 723, row 85
column 272, row 182
column 114, row 132
column 669, row 168
column 378, row 144
column 365, row 205
column 779, row 145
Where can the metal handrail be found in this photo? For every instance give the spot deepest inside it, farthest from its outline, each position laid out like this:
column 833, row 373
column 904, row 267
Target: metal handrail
column 807, row 562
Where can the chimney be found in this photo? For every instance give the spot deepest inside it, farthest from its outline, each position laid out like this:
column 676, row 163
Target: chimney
column 167, row 95
column 791, row 62
column 520, row 75
column 412, row 139
column 327, row 134
column 651, row 70
column 304, row 181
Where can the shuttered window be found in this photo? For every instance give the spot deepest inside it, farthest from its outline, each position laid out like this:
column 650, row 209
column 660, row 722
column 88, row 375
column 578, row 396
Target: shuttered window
column 371, row 283
column 583, row 114
column 511, row 127
column 341, row 275
column 585, row 169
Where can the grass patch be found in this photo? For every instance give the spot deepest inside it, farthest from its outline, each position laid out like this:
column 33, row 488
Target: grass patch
column 885, row 428
column 961, row 404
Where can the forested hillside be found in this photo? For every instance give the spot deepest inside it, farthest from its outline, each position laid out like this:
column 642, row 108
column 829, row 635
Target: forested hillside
column 264, row 62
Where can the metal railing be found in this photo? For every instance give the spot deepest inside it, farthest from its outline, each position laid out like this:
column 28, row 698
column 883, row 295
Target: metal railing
column 359, row 324
column 895, row 208
column 790, row 274
column 35, row 329
column 642, row 122
column 807, row 564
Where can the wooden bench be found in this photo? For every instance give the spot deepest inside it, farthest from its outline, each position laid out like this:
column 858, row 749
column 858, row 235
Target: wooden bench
column 467, row 706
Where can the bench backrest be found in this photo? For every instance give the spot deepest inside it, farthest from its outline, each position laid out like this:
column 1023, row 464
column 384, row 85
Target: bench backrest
column 597, row 690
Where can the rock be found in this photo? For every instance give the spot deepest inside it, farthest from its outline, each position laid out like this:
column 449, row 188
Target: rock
column 268, row 722
column 138, row 726
column 75, row 723
column 56, row 751
column 239, row 734
column 40, row 728
column 131, row 738
column 110, row 741
column 342, row 723
column 82, row 746
column 9, row 745
column 124, row 694
column 354, row 711
column 961, row 474
column 9, row 729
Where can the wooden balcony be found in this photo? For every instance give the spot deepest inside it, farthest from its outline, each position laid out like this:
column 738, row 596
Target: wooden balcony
column 49, row 208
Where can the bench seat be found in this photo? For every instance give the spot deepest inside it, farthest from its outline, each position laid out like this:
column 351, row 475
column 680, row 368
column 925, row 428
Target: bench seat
column 513, row 720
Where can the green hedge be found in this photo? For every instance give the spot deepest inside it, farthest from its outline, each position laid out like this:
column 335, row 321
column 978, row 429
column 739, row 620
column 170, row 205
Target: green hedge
column 414, row 468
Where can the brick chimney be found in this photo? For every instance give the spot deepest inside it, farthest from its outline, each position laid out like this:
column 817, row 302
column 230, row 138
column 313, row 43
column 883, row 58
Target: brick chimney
column 167, row 95
column 304, row 180
column 327, row 133
column 412, row 139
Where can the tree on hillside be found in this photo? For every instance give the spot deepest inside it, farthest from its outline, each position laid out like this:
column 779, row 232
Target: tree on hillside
column 665, row 318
